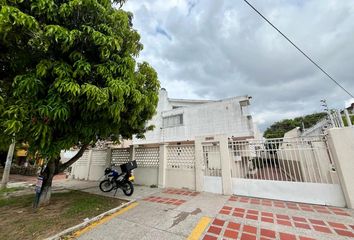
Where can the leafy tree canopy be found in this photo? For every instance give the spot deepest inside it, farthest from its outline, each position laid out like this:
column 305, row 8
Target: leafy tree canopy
column 68, row 74
column 278, row 129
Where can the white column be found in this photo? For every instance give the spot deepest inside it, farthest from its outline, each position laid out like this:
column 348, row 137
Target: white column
column 341, row 144
column 89, row 163
column 109, row 157
column 340, row 118
column 132, row 152
column 349, row 122
column 162, row 165
column 225, row 164
column 199, row 169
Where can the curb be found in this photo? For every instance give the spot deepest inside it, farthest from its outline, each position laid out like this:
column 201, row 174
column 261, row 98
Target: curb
column 86, row 223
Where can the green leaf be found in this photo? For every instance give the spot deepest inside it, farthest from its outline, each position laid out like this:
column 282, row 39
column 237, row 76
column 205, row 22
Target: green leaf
column 70, row 74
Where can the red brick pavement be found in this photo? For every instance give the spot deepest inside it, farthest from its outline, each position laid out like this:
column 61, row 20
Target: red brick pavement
column 246, row 221
column 232, row 230
column 329, row 227
column 180, row 192
column 164, row 200
column 291, row 205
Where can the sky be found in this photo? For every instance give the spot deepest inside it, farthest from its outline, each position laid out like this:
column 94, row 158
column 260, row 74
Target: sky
column 207, row 49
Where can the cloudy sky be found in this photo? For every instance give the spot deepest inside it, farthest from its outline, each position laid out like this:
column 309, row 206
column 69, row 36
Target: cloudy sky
column 207, row 49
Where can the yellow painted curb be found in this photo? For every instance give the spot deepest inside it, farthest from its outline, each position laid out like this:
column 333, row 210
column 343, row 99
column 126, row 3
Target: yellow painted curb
column 199, row 229
column 103, row 220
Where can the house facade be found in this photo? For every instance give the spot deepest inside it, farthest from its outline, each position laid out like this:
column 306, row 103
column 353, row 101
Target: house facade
column 181, row 120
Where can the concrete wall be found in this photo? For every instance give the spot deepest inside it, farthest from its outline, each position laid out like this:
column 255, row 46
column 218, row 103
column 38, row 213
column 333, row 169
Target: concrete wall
column 200, row 118
column 315, row 193
column 99, row 162
column 96, row 172
column 79, row 172
column 90, row 166
column 293, row 133
column 180, row 178
column 146, row 176
column 213, row 184
column 81, row 168
column 341, row 143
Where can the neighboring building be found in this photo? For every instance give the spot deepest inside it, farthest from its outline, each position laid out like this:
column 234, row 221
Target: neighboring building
column 181, row 120
column 319, row 128
column 351, row 108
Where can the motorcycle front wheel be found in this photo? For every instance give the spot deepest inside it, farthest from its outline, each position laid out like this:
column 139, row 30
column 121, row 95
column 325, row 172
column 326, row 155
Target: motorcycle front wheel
column 128, row 188
column 106, row 185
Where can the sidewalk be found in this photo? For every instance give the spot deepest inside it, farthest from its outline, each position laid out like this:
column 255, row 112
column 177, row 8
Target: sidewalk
column 174, row 214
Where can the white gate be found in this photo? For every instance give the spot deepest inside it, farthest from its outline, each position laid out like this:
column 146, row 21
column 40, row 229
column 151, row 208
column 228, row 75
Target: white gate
column 292, row 169
column 212, row 167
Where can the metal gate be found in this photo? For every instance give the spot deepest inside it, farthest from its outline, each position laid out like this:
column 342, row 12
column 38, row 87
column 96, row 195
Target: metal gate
column 292, row 169
column 212, row 167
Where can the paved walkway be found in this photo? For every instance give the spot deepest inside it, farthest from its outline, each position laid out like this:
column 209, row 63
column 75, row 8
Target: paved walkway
column 175, row 214
column 32, row 179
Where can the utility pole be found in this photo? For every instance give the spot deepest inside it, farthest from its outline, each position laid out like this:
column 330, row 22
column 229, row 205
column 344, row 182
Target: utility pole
column 6, row 174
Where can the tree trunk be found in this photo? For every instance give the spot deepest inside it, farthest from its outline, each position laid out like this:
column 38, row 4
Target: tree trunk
column 6, row 173
column 53, row 167
column 46, row 189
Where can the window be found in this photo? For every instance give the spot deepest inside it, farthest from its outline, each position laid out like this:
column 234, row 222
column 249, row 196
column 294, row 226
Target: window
column 173, row 121
column 244, row 108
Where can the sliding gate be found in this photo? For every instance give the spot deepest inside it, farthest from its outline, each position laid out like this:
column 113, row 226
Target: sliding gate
column 291, row 169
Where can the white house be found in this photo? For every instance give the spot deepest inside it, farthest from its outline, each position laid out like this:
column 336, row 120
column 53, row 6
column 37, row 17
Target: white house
column 181, row 120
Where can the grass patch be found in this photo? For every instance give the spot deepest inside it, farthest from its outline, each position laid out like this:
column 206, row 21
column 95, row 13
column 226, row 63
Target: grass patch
column 9, row 190
column 20, row 221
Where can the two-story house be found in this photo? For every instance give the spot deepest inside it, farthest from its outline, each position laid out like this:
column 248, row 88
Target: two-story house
column 181, row 120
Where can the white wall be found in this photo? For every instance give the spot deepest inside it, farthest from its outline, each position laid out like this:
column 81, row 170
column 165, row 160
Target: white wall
column 80, row 168
column 199, row 119
column 180, row 178
column 90, row 166
column 146, row 176
column 341, row 143
column 212, row 184
column 98, row 164
column 315, row 193
column 295, row 132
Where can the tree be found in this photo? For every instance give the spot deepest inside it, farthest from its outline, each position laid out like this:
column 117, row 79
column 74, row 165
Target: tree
column 68, row 77
column 278, row 129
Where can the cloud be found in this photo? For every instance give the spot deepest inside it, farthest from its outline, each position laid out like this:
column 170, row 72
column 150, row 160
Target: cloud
column 162, row 31
column 218, row 49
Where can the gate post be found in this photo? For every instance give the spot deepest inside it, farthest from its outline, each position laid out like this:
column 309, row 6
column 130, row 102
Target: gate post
column 162, row 165
column 109, row 157
column 349, row 122
column 225, row 165
column 199, row 175
column 341, row 143
column 132, row 152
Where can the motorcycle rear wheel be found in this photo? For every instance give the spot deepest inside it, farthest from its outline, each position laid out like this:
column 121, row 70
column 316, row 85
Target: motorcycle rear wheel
column 106, row 185
column 128, row 188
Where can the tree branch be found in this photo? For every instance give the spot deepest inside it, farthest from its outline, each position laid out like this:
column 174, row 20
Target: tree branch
column 74, row 158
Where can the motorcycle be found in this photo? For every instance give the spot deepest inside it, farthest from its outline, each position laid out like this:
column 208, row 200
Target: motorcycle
column 114, row 180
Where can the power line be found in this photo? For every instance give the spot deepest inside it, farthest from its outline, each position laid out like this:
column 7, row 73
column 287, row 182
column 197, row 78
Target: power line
column 329, row 76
